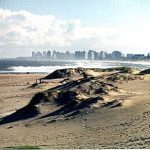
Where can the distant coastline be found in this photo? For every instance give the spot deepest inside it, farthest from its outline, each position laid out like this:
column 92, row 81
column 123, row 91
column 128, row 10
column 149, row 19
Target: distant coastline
column 15, row 66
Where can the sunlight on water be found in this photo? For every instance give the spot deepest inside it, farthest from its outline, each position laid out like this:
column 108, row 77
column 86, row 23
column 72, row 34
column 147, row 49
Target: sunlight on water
column 74, row 64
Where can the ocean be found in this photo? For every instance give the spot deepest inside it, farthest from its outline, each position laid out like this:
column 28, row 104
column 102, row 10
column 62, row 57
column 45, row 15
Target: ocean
column 24, row 66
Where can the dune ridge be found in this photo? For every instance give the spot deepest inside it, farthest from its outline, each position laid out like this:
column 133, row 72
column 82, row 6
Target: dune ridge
column 82, row 90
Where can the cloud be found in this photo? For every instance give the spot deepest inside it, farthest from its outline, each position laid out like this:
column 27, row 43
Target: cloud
column 27, row 31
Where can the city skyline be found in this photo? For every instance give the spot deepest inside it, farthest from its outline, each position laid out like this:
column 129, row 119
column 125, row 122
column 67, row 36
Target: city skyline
column 84, row 55
column 71, row 25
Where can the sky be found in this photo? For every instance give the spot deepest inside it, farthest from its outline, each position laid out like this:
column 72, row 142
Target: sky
column 30, row 25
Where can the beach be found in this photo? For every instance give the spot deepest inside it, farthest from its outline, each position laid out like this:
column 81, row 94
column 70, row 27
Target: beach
column 127, row 126
column 74, row 74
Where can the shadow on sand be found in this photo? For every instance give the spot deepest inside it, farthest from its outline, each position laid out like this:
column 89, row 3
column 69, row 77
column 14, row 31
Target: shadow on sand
column 65, row 100
column 71, row 109
column 29, row 111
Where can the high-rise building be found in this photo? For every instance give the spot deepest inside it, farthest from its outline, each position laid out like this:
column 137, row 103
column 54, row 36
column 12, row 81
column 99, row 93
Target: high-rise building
column 86, row 55
column 96, row 55
column 67, row 55
column 44, row 54
column 33, row 54
column 108, row 56
column 130, row 56
column 138, row 56
column 80, row 55
column 49, row 54
column 38, row 55
column 116, row 55
column 91, row 55
column 83, row 55
column 102, row 55
column 54, row 56
column 72, row 56
column 148, row 56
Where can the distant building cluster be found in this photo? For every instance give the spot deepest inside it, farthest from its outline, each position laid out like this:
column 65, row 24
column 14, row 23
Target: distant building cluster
column 86, row 55
column 77, row 55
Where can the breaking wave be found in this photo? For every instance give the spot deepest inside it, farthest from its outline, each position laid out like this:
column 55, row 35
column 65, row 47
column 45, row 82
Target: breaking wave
column 74, row 64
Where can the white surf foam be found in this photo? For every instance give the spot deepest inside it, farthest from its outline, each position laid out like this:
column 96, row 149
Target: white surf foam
column 81, row 63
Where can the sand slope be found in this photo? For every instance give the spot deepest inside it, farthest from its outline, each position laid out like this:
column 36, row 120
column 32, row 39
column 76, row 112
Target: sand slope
column 127, row 126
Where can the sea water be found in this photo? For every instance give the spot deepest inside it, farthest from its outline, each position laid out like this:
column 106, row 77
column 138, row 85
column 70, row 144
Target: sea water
column 24, row 66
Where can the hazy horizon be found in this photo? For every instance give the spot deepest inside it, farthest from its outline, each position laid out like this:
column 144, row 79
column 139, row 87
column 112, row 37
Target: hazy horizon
column 62, row 25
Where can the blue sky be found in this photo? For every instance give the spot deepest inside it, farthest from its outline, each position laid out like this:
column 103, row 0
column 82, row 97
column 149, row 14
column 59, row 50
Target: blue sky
column 92, row 12
column 130, row 16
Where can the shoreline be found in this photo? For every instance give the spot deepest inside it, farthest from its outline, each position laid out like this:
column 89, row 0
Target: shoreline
column 24, row 68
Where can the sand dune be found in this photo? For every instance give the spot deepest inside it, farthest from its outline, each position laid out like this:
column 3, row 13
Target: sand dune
column 89, row 108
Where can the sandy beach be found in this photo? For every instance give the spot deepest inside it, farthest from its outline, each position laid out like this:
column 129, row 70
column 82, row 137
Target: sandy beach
column 127, row 126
